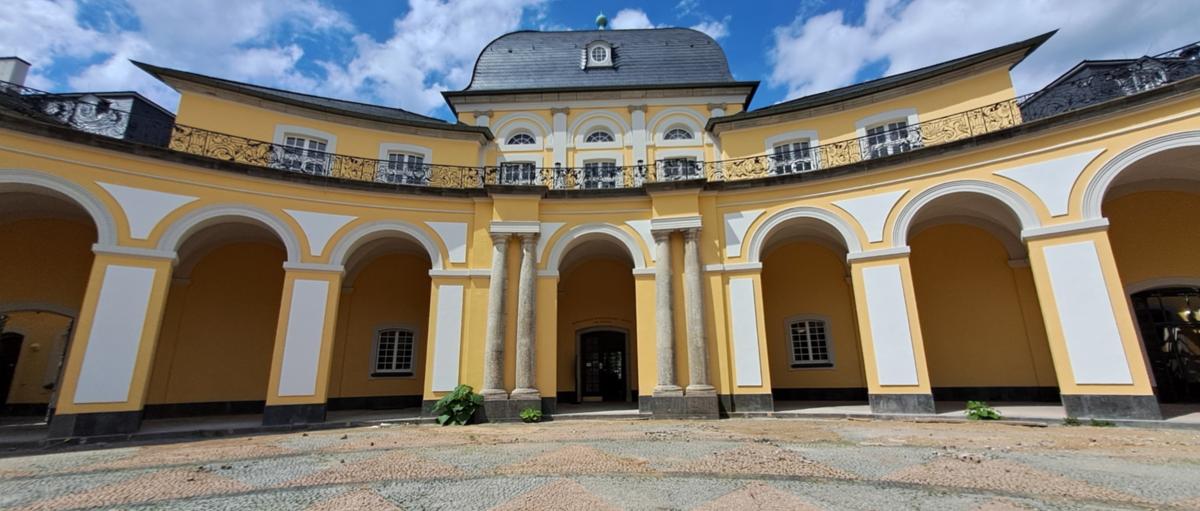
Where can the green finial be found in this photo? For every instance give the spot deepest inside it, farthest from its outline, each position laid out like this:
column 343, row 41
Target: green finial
column 601, row 21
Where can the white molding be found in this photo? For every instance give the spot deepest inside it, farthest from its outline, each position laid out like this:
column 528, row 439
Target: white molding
column 198, row 219
column 380, row 229
column 537, row 158
column 671, row 117
column 144, row 209
column 106, row 225
column 675, row 223
column 1096, row 187
column 1086, row 316
column 147, row 253
column 643, row 271
column 743, row 312
column 759, row 238
column 320, row 267
column 485, row 273
column 318, row 227
column 600, row 103
column 447, row 337
column 872, row 211
column 1024, row 211
column 891, row 331
column 505, row 126
column 791, row 136
column 454, row 236
column 387, row 148
column 115, row 336
column 907, row 114
column 562, row 245
column 514, row 227
column 547, row 274
column 662, row 154
column 1052, row 180
column 546, row 231
column 733, row 267
column 302, row 338
column 879, row 253
column 583, row 156
column 736, row 225
column 642, row 227
column 600, row 118
column 1050, row 231
column 283, row 130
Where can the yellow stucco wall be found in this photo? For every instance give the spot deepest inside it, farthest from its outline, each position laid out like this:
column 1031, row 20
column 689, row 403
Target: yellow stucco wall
column 45, row 261
column 1152, row 238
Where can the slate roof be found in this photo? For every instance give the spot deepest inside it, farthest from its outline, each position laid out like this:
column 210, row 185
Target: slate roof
column 532, row 60
column 336, row 106
column 888, row 82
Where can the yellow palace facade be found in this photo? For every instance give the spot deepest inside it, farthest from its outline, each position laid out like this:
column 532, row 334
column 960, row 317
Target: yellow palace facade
column 604, row 222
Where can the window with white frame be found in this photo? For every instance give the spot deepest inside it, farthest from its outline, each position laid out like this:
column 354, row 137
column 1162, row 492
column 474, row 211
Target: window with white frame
column 305, row 154
column 598, row 54
column 599, row 136
column 792, row 157
column 600, row 174
column 521, row 138
column 809, row 341
column 394, row 352
column 890, row 138
column 518, row 173
column 405, row 168
column 678, row 133
column 679, row 168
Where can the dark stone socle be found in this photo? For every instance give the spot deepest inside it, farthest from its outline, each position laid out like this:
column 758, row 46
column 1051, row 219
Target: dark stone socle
column 1111, row 407
column 902, row 403
column 94, row 424
column 280, row 415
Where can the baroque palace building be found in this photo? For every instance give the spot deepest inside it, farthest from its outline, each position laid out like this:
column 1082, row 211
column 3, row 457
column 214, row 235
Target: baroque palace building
column 605, row 221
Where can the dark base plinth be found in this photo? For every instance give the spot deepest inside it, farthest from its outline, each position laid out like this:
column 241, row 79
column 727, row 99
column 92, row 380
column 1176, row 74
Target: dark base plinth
column 94, row 424
column 703, row 406
column 1112, row 407
column 753, row 403
column 281, row 415
column 901, row 403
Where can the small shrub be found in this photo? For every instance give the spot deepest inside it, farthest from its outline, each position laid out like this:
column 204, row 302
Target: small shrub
column 1102, row 424
column 458, row 406
column 1071, row 421
column 980, row 411
column 531, row 415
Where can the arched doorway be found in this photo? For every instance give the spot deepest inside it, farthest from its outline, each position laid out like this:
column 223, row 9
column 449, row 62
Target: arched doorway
column 1169, row 323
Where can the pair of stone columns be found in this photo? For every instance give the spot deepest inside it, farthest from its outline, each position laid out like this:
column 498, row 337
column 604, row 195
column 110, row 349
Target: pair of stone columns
column 493, row 368
column 693, row 298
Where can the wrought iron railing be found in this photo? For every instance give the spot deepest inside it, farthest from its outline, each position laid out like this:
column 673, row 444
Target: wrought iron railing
column 89, row 113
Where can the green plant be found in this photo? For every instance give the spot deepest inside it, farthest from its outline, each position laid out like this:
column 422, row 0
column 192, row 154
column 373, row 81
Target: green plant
column 531, row 415
column 1102, row 424
column 1071, row 421
column 458, row 406
column 980, row 411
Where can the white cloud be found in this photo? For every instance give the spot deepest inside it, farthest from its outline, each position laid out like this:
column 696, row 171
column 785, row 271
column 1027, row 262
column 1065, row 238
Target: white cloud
column 715, row 29
column 629, row 19
column 816, row 53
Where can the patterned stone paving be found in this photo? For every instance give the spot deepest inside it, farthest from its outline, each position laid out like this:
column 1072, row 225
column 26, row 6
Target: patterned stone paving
column 605, row 465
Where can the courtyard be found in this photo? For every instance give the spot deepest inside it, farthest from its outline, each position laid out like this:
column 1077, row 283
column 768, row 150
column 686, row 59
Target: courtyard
column 626, row 464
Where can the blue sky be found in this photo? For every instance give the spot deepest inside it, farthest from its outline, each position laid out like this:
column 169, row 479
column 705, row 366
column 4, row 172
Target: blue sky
column 403, row 53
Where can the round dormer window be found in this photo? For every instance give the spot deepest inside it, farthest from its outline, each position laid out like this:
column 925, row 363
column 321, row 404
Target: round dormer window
column 599, row 54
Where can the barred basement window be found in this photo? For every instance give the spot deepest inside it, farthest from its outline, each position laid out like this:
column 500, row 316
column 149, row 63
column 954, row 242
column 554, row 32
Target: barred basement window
column 394, row 352
column 809, row 343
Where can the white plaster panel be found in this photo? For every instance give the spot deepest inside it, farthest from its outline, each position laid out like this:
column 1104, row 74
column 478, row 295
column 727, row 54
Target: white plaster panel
column 744, row 321
column 449, row 338
column 736, row 225
column 302, row 343
column 1086, row 314
column 891, row 336
column 454, row 235
column 144, row 208
column 1051, row 180
column 318, row 227
column 643, row 229
column 545, row 231
column 871, row 212
column 115, row 336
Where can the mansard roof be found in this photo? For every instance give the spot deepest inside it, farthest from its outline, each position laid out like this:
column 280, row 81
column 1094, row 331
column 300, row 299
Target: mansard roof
column 649, row 58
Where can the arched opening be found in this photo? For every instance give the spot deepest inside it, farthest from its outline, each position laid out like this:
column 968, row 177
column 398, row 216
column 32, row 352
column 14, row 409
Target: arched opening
column 980, row 317
column 216, row 342
column 45, row 260
column 808, row 306
column 1152, row 206
column 597, row 327
column 381, row 342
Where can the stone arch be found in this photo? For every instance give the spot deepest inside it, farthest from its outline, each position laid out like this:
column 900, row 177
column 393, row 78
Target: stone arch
column 106, row 231
column 181, row 229
column 1024, row 211
column 759, row 239
column 1096, row 187
column 375, row 230
column 585, row 231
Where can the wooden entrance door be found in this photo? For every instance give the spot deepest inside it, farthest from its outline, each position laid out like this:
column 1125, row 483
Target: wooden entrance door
column 603, row 371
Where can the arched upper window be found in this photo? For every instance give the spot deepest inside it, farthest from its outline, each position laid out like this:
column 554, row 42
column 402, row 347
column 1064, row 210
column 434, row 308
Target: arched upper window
column 678, row 134
column 521, row 138
column 600, row 135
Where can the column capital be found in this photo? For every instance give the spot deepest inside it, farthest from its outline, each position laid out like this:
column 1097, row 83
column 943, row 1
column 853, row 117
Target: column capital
column 499, row 238
column 145, row 253
column 528, row 238
column 691, row 233
column 484, row 113
column 716, row 106
column 637, row 108
column 560, row 110
column 1051, row 231
column 662, row 235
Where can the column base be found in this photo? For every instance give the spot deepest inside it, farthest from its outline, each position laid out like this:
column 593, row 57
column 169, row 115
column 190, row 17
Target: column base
column 494, row 394
column 1111, row 407
column 500, row 410
column 901, row 403
column 282, row 415
column 668, row 390
column 699, row 406
column 94, row 424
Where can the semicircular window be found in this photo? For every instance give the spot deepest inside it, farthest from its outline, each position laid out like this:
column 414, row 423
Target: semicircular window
column 521, row 139
column 677, row 134
column 599, row 136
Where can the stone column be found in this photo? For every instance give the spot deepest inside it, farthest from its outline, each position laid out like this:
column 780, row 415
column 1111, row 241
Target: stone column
column 693, row 296
column 527, row 319
column 664, row 316
column 493, row 362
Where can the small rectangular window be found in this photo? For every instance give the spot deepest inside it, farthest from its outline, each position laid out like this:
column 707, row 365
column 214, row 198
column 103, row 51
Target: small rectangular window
column 809, row 343
column 394, row 352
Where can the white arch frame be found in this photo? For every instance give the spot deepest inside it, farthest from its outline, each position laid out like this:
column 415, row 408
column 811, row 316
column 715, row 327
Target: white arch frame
column 564, row 242
column 602, row 118
column 106, row 225
column 666, row 119
column 760, row 236
column 1097, row 187
column 507, row 125
column 1024, row 211
column 367, row 232
column 180, row 230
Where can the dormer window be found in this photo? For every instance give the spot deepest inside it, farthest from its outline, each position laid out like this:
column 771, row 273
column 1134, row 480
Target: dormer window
column 598, row 54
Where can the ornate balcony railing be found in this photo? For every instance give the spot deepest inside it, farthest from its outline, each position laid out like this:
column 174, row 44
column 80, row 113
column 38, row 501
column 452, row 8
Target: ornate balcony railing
column 89, row 112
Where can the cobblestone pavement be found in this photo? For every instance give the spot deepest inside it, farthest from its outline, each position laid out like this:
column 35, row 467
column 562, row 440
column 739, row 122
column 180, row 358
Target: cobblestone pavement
column 600, row 465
